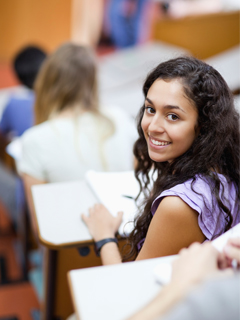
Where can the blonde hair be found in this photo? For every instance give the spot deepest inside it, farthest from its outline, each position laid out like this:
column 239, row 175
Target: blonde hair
column 68, row 79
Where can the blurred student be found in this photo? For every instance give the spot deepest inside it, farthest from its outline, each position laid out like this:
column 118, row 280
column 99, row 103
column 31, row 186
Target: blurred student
column 73, row 133
column 199, row 290
column 127, row 22
column 18, row 114
column 86, row 21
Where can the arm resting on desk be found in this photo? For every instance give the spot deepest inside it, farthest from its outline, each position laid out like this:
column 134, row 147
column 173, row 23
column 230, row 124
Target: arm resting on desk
column 173, row 227
column 102, row 225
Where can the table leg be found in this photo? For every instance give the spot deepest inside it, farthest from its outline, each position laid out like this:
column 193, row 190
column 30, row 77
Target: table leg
column 50, row 260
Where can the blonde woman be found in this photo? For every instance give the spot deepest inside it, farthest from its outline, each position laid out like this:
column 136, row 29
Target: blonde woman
column 72, row 133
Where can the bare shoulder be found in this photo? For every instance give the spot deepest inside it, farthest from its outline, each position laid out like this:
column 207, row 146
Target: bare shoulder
column 175, row 215
column 174, row 206
column 173, row 227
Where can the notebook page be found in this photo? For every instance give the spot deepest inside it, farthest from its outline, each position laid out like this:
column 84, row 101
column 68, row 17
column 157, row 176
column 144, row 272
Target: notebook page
column 111, row 189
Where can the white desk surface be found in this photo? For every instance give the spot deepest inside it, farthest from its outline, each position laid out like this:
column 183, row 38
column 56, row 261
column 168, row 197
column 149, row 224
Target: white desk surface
column 227, row 63
column 122, row 73
column 114, row 292
column 58, row 207
column 132, row 64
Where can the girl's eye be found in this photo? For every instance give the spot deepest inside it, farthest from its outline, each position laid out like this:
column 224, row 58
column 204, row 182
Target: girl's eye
column 172, row 117
column 149, row 110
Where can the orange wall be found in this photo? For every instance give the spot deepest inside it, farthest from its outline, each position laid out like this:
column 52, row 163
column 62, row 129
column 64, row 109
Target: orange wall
column 42, row 22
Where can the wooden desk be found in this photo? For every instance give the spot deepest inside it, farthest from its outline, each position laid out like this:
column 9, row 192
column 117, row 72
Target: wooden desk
column 114, row 292
column 57, row 213
column 203, row 35
column 58, row 207
column 62, row 233
column 118, row 291
column 67, row 242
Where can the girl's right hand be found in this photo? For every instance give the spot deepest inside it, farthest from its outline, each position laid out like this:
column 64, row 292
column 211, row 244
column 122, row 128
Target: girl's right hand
column 101, row 224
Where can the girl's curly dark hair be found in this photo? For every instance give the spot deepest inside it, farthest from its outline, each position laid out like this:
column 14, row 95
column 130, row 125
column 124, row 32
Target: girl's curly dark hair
column 215, row 149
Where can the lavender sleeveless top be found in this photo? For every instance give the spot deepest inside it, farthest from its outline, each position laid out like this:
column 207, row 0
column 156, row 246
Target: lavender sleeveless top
column 211, row 219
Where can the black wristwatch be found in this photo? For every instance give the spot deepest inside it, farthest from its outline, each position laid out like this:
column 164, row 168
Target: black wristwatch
column 101, row 243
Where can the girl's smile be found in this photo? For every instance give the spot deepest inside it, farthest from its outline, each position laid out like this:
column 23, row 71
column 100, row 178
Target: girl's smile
column 158, row 143
column 169, row 121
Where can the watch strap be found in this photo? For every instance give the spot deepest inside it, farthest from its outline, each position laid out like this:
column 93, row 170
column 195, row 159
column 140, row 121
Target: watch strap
column 101, row 243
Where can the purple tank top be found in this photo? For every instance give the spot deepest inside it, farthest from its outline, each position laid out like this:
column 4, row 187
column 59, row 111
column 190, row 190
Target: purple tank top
column 211, row 219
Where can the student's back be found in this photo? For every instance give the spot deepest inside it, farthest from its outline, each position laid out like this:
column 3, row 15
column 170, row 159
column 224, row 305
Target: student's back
column 64, row 149
column 73, row 134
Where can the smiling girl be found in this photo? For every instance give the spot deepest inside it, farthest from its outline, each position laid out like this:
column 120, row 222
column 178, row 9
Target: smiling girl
column 189, row 137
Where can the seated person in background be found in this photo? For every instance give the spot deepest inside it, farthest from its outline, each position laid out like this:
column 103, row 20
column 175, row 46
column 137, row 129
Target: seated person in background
column 73, row 133
column 18, row 114
column 199, row 290
column 189, row 142
column 17, row 117
column 127, row 23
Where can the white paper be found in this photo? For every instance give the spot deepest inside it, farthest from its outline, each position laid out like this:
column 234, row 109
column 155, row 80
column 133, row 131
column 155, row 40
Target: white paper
column 111, row 188
column 163, row 273
column 220, row 242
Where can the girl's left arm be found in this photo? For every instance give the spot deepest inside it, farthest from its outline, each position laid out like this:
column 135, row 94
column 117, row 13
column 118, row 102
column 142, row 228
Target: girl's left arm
column 174, row 226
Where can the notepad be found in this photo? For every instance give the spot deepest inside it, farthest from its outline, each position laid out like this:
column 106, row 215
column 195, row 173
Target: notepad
column 116, row 191
column 163, row 271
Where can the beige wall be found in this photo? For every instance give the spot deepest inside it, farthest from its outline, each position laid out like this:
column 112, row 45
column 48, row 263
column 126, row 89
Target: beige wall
column 42, row 22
